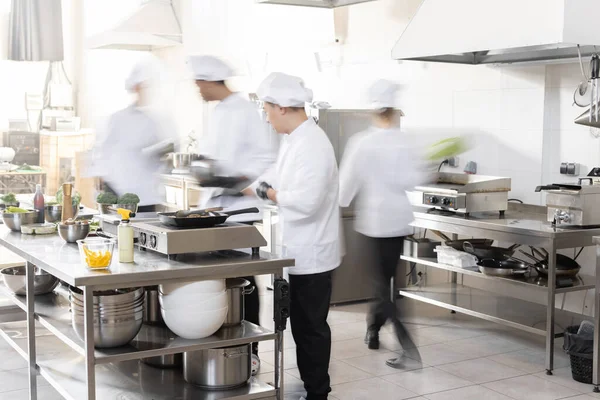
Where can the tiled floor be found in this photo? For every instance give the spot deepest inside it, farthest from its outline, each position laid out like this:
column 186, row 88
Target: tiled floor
column 464, row 358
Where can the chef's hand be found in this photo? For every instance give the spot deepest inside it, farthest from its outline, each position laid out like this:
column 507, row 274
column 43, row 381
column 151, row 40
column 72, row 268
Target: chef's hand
column 262, row 189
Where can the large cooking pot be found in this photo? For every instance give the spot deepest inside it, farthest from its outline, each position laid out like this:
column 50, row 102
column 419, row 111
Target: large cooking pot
column 218, row 369
column 152, row 315
column 237, row 288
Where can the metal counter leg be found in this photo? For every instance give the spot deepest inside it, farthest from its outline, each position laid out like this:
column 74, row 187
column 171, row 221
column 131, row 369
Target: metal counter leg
column 90, row 361
column 30, row 274
column 596, row 370
column 279, row 370
column 550, row 310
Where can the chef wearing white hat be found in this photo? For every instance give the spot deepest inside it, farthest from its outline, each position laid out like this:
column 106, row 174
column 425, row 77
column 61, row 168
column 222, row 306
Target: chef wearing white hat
column 378, row 167
column 240, row 144
column 127, row 157
column 304, row 185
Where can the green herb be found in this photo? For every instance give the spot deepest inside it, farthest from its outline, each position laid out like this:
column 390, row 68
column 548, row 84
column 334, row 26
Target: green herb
column 129, row 198
column 9, row 198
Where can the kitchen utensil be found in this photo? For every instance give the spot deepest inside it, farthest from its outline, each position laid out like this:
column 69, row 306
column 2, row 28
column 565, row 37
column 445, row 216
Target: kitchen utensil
column 217, row 218
column 53, row 213
column 116, row 313
column 595, row 96
column 14, row 221
column 16, row 281
column 196, row 301
column 184, row 160
column 237, row 288
column 194, row 324
column 110, row 332
column 226, row 182
column 459, row 244
column 483, row 251
column 110, row 297
column 579, row 96
column 73, row 233
column 39, row 229
column 565, row 266
column 502, row 268
column 218, row 369
column 67, row 202
column 152, row 315
column 183, row 288
column 96, row 253
column 186, row 213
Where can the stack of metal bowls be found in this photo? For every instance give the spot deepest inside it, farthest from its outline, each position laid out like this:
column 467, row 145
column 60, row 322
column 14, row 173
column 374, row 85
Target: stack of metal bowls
column 118, row 315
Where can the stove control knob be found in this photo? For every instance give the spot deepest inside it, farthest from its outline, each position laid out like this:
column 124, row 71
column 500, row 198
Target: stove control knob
column 432, row 200
column 446, row 201
column 143, row 238
column 153, row 241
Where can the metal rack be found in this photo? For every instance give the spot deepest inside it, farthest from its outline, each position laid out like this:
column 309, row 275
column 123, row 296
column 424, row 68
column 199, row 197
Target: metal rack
column 79, row 371
column 525, row 225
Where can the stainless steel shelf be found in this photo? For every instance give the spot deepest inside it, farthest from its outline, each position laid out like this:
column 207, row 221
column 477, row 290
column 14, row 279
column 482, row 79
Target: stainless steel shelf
column 132, row 380
column 582, row 281
column 519, row 314
column 52, row 312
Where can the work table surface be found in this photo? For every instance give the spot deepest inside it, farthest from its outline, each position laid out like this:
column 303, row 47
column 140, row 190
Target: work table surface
column 520, row 220
column 62, row 260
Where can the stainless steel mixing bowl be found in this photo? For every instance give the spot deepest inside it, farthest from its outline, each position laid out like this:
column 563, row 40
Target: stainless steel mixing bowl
column 53, row 213
column 73, row 233
column 15, row 280
column 110, row 332
column 15, row 220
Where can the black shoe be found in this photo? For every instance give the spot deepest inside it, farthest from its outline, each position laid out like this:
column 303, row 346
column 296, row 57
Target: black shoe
column 372, row 339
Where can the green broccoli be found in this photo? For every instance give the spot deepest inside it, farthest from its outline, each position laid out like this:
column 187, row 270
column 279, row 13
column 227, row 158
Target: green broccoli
column 9, row 198
column 129, row 198
column 76, row 198
column 106, row 198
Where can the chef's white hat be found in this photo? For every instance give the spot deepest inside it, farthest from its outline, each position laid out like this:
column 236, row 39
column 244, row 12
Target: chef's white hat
column 143, row 71
column 284, row 90
column 382, row 94
column 209, row 68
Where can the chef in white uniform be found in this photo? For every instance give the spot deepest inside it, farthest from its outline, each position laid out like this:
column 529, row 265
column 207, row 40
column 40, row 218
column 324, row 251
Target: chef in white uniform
column 128, row 156
column 239, row 142
column 377, row 169
column 304, row 185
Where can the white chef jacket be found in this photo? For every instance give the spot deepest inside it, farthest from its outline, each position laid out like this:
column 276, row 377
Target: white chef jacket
column 121, row 160
column 379, row 166
column 306, row 180
column 242, row 145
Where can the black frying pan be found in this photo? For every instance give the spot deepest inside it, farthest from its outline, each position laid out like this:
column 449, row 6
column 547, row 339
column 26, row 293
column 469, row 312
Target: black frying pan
column 216, row 218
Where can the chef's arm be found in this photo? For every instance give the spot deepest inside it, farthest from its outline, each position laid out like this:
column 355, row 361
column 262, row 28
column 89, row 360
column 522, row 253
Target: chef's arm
column 160, row 148
column 270, row 177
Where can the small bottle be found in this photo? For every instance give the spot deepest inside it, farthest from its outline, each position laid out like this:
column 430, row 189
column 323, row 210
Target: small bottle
column 38, row 203
column 125, row 238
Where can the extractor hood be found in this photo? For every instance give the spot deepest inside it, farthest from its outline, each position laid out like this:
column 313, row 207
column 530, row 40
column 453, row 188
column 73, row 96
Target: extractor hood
column 315, row 3
column 152, row 26
column 500, row 31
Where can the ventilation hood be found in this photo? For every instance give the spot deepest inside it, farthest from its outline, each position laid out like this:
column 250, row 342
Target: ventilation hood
column 314, row 3
column 152, row 26
column 500, row 31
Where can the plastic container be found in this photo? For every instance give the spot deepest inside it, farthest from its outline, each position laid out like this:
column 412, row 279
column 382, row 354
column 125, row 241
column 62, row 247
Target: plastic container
column 449, row 256
column 96, row 254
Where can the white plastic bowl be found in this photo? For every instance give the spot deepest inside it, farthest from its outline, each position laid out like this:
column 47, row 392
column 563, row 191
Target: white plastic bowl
column 194, row 325
column 200, row 301
column 210, row 286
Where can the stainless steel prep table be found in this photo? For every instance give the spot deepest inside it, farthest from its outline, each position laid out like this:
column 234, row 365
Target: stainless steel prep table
column 89, row 373
column 522, row 224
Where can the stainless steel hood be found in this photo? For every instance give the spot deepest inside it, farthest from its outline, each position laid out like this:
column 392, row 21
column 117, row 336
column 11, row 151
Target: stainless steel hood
column 314, row 3
column 154, row 25
column 499, row 31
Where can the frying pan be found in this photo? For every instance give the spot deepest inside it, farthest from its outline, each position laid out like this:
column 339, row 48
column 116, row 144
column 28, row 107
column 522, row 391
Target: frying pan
column 483, row 251
column 216, row 218
column 565, row 266
column 489, row 266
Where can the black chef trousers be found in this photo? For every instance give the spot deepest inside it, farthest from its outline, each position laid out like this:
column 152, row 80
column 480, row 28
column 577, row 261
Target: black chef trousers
column 310, row 296
column 385, row 253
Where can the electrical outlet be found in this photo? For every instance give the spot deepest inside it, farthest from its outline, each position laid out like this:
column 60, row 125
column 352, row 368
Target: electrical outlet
column 453, row 162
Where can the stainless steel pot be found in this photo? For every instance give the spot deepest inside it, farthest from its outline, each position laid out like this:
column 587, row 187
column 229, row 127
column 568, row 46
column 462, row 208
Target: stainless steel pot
column 237, row 288
column 152, row 315
column 218, row 369
column 148, row 338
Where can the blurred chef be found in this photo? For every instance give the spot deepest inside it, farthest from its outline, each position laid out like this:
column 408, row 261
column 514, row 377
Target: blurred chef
column 239, row 142
column 377, row 169
column 128, row 156
column 304, row 185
